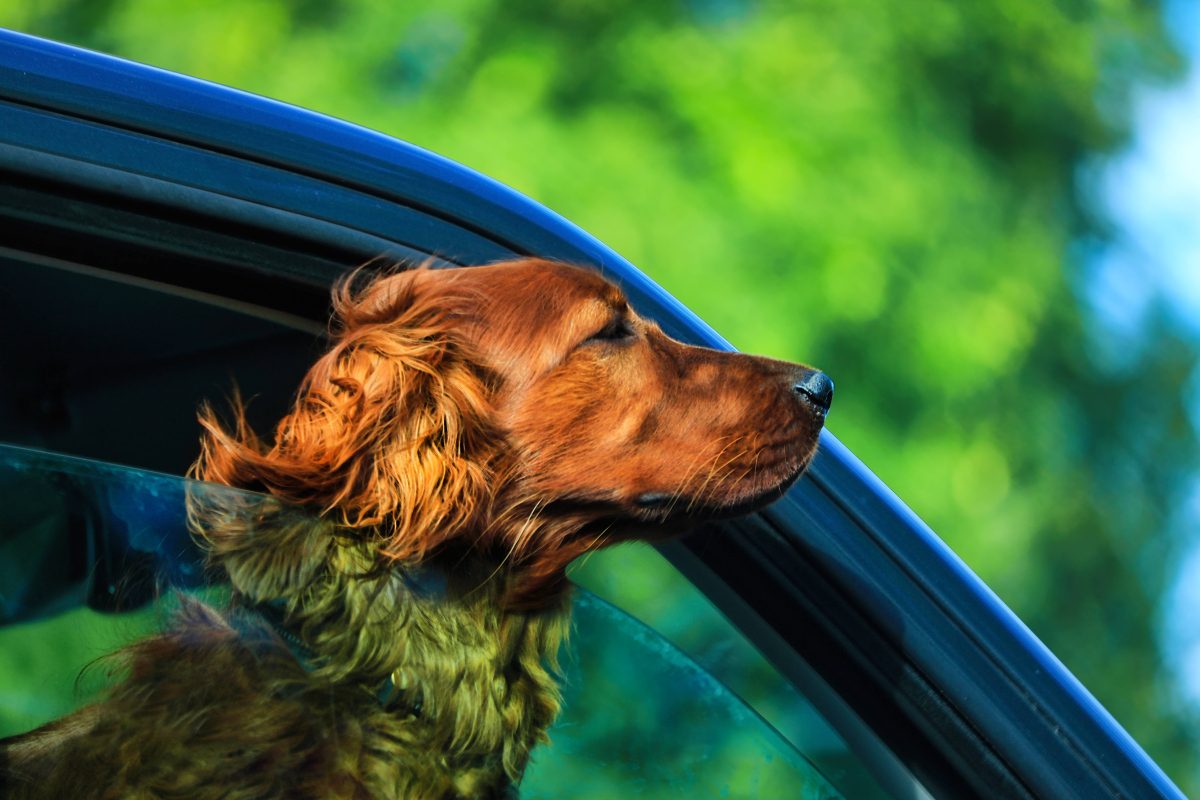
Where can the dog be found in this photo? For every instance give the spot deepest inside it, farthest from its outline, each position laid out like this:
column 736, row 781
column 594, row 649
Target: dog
column 399, row 590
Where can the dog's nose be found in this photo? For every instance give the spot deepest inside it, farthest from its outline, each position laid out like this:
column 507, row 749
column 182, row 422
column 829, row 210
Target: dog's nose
column 816, row 387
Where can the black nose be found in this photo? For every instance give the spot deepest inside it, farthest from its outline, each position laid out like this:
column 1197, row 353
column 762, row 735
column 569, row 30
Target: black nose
column 816, row 387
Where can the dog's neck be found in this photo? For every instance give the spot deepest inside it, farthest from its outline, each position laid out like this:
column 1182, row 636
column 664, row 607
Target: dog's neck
column 481, row 673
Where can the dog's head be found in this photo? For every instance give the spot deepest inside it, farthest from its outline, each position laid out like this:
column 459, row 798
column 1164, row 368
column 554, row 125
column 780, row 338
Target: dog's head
column 523, row 409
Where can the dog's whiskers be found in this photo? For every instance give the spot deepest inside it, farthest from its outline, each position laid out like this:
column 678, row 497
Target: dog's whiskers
column 711, row 475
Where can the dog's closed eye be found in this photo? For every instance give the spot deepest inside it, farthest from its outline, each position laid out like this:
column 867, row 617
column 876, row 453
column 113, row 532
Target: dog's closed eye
column 618, row 329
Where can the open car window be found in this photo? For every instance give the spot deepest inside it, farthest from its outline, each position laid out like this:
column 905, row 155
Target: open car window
column 93, row 554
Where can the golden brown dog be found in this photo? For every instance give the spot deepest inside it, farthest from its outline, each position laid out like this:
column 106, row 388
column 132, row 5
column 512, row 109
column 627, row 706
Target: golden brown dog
column 399, row 590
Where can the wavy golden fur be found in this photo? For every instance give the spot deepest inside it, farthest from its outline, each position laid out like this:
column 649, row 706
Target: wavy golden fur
column 468, row 434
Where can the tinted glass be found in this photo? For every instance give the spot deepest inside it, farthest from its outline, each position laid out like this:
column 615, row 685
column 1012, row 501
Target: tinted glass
column 673, row 731
column 89, row 549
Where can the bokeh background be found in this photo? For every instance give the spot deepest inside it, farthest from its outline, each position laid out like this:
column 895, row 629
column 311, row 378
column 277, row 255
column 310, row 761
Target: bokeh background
column 982, row 219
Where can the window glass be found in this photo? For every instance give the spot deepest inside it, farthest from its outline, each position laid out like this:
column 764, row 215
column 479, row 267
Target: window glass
column 643, row 719
column 643, row 583
column 87, row 549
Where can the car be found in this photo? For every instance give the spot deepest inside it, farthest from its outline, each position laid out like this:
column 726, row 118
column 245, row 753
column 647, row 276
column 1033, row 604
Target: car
column 165, row 237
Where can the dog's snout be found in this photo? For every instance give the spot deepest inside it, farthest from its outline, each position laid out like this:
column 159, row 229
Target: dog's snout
column 814, row 386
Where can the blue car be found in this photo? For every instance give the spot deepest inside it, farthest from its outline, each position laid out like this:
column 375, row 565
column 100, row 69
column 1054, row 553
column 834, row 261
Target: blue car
column 166, row 237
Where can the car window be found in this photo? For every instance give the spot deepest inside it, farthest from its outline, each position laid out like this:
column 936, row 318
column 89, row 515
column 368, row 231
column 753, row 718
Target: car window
column 641, row 718
column 90, row 552
column 646, row 586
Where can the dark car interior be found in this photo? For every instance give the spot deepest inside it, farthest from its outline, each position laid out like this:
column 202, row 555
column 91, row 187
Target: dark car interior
column 84, row 350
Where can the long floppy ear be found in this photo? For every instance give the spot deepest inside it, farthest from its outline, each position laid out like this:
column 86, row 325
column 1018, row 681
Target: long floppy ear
column 389, row 432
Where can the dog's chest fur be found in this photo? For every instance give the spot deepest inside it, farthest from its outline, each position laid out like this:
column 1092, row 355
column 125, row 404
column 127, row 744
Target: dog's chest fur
column 220, row 701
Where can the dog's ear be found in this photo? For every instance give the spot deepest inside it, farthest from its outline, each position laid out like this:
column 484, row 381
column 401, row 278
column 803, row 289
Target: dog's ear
column 389, row 432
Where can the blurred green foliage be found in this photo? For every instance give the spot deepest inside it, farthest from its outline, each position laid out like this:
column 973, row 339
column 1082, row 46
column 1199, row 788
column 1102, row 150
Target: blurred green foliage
column 885, row 189
column 61, row 666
